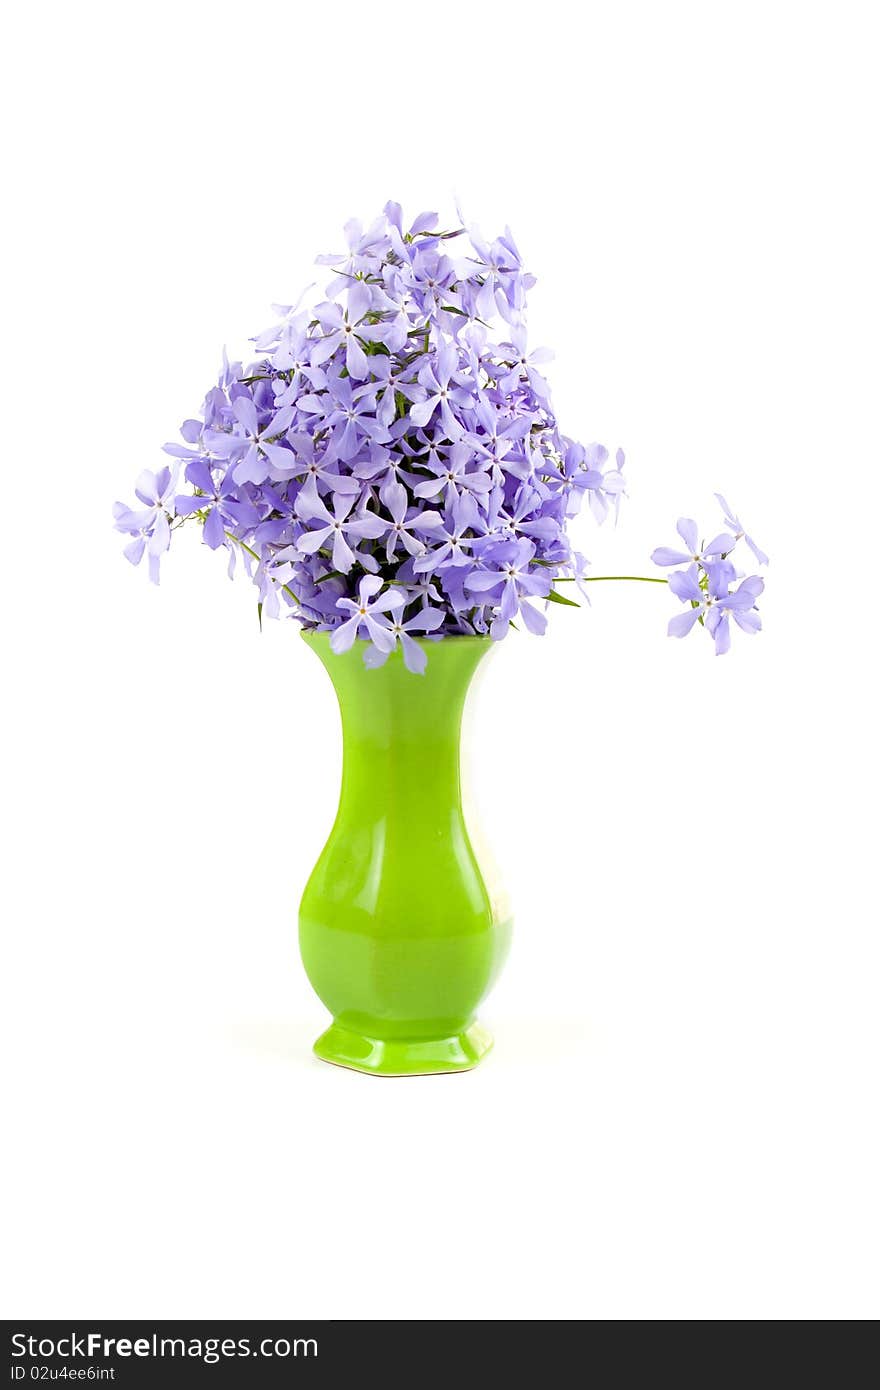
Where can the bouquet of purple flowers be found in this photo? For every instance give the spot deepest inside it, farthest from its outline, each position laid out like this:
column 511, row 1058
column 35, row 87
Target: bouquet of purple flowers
column 390, row 465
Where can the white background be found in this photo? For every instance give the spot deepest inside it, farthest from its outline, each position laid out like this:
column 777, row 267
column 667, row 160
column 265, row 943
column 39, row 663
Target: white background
column 679, row 1119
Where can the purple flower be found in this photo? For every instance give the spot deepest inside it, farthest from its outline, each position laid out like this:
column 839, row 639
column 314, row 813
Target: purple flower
column 219, row 502
column 606, row 484
column 150, row 525
column 420, row 588
column 366, row 617
column 191, row 430
column 307, row 465
column 287, row 339
column 508, row 582
column 404, row 520
column 351, row 419
column 429, row 277
column 741, row 607
column 339, row 330
column 394, row 380
column 712, row 604
column 397, row 442
column 503, row 284
column 414, row 657
column 441, row 393
column 449, row 534
column 251, row 443
column 695, row 553
column 363, row 248
column 451, row 476
column 383, row 469
column 739, row 531
column 500, row 440
column 336, row 528
column 570, row 478
column 525, row 364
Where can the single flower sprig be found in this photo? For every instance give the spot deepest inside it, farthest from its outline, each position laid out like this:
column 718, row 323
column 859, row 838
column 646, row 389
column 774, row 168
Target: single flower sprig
column 705, row 584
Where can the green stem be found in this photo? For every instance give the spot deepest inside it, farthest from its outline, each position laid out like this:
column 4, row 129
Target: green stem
column 598, row 579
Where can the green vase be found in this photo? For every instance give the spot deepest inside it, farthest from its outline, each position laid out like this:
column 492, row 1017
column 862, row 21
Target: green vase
column 400, row 934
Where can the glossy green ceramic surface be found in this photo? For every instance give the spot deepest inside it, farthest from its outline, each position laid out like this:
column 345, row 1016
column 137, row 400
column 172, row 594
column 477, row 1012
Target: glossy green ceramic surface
column 399, row 933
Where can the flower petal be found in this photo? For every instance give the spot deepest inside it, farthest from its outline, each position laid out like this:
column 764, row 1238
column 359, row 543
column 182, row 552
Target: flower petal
column 388, row 602
column 342, row 638
column 664, row 556
column 415, row 657
column 246, row 412
column 719, row 545
column 687, row 529
column 681, row 624
column 685, row 586
column 213, row 533
column 369, row 585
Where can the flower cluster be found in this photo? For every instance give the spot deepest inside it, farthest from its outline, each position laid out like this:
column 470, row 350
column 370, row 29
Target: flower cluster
column 705, row 584
column 390, row 464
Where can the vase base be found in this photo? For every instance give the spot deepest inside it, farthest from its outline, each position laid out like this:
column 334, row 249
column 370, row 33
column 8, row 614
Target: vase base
column 403, row 1056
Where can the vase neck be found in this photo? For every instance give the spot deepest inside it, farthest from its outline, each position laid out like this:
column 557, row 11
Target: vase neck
column 401, row 732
